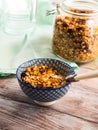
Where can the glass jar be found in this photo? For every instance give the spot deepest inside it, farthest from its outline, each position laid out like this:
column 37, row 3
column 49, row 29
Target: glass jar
column 19, row 16
column 75, row 35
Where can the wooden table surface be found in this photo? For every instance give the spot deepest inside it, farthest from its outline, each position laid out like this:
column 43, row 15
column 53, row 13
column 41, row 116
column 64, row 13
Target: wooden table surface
column 77, row 110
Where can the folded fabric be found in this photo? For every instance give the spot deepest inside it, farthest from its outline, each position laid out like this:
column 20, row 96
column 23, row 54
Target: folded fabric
column 34, row 45
column 15, row 50
column 42, row 7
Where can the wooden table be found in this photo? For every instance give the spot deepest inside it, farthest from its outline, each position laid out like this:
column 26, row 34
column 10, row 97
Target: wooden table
column 77, row 110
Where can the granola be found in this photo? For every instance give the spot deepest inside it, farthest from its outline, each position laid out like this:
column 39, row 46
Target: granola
column 43, row 76
column 76, row 37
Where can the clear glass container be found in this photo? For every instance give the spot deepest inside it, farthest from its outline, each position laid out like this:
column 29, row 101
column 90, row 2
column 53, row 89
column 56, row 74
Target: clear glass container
column 19, row 16
column 75, row 35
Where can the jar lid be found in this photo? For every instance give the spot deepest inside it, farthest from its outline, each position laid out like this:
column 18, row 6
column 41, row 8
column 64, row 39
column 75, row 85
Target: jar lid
column 78, row 7
column 83, row 6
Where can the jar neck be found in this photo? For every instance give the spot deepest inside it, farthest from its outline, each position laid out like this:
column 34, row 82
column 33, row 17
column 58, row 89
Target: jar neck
column 80, row 7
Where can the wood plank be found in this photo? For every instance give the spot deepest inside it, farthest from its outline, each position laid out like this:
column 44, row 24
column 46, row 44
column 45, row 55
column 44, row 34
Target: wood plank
column 21, row 116
column 93, row 65
column 80, row 101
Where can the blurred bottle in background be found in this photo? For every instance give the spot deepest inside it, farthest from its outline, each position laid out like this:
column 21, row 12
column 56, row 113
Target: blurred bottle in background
column 19, row 16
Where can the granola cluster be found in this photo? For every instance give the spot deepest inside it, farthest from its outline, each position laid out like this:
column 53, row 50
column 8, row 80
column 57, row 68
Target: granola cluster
column 43, row 77
column 76, row 37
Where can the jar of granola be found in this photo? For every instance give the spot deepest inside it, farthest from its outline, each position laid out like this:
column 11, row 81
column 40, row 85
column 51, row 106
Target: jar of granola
column 75, row 35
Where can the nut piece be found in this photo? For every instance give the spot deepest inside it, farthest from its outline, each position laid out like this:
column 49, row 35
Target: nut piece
column 43, row 77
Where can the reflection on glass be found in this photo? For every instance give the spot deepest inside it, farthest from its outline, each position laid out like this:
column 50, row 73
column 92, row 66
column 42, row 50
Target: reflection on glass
column 19, row 16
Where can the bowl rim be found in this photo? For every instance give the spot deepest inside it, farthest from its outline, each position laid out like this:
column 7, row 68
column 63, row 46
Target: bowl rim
column 28, row 85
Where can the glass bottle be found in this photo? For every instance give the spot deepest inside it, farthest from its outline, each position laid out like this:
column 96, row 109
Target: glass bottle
column 19, row 16
column 75, row 35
